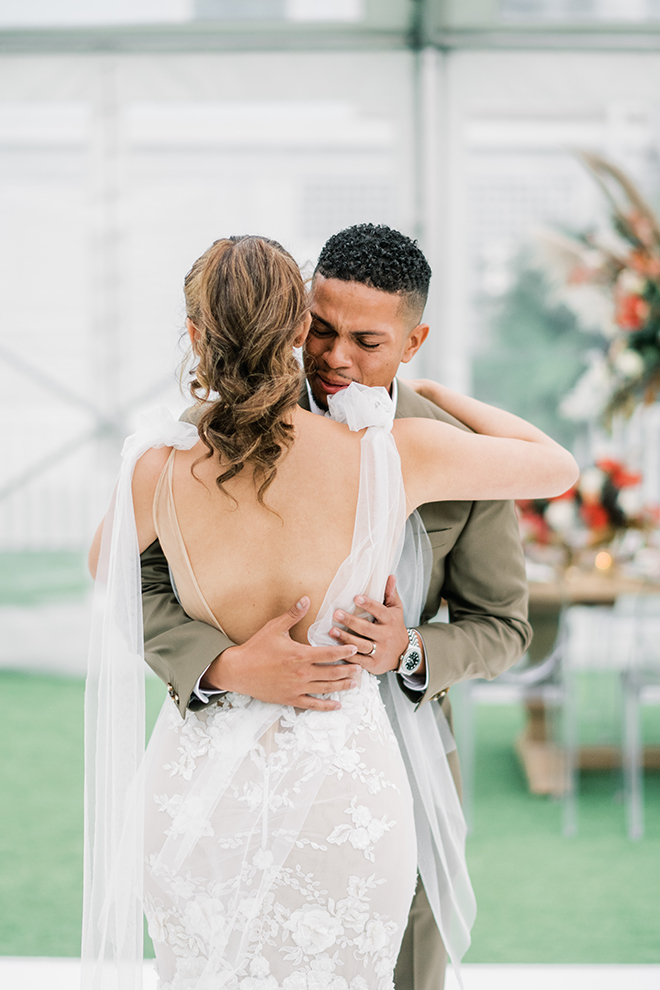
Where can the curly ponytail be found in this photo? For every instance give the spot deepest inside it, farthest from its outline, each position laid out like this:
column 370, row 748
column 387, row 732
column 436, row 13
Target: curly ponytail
column 246, row 298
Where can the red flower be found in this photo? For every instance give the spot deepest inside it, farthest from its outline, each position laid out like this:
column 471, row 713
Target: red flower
column 594, row 515
column 631, row 312
column 619, row 475
column 644, row 263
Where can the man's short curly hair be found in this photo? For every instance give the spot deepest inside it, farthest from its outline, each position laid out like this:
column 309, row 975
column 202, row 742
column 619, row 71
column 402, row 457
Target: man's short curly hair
column 377, row 256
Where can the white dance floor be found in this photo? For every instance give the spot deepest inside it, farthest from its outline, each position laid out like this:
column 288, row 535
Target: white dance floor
column 21, row 973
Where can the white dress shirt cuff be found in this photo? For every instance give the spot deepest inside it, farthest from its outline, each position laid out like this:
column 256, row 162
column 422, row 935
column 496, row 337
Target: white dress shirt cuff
column 201, row 694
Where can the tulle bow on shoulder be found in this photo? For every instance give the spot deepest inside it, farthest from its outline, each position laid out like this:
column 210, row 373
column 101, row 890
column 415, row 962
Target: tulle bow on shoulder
column 158, row 428
column 359, row 406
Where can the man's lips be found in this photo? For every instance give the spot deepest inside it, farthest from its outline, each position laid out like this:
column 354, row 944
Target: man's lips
column 329, row 386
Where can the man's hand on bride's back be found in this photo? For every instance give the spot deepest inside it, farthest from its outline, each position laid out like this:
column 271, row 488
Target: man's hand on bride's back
column 273, row 667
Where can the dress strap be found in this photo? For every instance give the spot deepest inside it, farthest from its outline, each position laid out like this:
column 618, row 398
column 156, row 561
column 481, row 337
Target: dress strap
column 166, row 523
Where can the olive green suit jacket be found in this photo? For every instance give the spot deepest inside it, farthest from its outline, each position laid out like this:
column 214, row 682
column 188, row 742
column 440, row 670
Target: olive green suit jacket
column 478, row 568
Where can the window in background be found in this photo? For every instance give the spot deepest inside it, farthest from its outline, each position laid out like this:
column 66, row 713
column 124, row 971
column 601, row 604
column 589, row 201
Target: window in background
column 269, row 10
column 107, row 200
column 581, row 10
column 86, row 13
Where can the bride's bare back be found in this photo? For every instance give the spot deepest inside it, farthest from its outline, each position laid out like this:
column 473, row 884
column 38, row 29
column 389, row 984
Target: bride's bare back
column 252, row 561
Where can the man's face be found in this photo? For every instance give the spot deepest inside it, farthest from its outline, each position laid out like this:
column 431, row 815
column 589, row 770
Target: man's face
column 358, row 334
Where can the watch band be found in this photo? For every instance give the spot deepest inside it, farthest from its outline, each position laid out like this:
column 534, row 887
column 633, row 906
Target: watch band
column 411, row 659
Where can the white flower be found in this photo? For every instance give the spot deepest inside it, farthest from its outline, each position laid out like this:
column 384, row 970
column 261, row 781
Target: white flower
column 263, row 859
column 591, row 481
column 190, row 967
column 377, row 829
column 561, row 516
column 631, row 500
column 352, row 912
column 204, row 917
column 182, row 888
column 348, row 759
column 313, row 929
column 359, row 838
column 321, row 733
column 323, row 963
column 358, row 983
column 259, row 967
column 237, row 700
column 629, row 363
column 194, row 740
column 631, row 283
column 361, row 815
column 183, row 942
column 295, row 981
column 247, row 906
column 590, row 394
column 374, row 938
column 191, row 817
column 157, row 919
column 358, row 886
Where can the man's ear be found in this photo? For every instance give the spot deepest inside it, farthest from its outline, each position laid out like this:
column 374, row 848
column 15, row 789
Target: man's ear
column 415, row 341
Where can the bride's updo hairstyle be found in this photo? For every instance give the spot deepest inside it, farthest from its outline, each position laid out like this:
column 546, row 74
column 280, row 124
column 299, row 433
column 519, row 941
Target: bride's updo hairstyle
column 247, row 299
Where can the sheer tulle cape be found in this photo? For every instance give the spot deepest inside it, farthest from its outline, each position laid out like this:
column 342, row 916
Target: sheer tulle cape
column 114, row 800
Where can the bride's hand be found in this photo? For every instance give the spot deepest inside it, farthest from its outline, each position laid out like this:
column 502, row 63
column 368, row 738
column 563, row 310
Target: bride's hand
column 380, row 643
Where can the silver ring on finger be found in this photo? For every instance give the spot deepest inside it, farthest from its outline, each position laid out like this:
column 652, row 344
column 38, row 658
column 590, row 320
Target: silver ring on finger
column 372, row 651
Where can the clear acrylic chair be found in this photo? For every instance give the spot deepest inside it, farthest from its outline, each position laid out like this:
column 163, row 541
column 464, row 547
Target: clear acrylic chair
column 593, row 639
column 641, row 687
column 523, row 682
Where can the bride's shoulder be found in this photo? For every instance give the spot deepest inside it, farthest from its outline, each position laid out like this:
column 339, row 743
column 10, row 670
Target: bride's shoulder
column 148, row 470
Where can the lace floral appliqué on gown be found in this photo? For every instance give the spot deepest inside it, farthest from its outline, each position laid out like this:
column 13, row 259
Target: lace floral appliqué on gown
column 280, row 844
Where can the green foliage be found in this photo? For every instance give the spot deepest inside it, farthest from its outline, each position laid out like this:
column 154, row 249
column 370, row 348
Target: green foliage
column 535, row 355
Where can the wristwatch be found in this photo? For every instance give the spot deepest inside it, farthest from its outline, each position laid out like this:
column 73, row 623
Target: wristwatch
column 411, row 659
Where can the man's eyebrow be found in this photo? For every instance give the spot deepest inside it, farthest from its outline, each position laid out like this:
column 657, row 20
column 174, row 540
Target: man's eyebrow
column 355, row 333
column 320, row 319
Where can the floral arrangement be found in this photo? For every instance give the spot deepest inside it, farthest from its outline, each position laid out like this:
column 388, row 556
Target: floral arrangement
column 611, row 280
column 605, row 502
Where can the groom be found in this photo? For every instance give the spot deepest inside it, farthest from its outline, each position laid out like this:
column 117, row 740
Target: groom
column 368, row 295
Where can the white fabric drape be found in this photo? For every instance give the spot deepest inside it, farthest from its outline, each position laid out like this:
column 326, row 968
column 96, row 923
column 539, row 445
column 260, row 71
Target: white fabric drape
column 114, row 852
column 114, row 733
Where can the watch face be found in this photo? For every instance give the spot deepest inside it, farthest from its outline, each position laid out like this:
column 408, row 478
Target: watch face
column 413, row 660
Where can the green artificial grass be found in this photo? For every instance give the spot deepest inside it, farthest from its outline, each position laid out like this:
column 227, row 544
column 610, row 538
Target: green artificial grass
column 41, row 812
column 541, row 898
column 36, row 577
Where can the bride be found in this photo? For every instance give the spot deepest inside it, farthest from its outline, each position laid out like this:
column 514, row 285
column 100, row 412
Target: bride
column 280, row 845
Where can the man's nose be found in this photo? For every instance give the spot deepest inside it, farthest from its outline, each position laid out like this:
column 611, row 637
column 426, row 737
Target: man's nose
column 337, row 356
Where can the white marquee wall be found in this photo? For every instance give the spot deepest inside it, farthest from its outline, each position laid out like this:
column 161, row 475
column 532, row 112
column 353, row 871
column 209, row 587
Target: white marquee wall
column 117, row 171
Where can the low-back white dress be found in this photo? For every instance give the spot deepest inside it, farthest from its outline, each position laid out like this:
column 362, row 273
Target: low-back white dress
column 280, row 845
